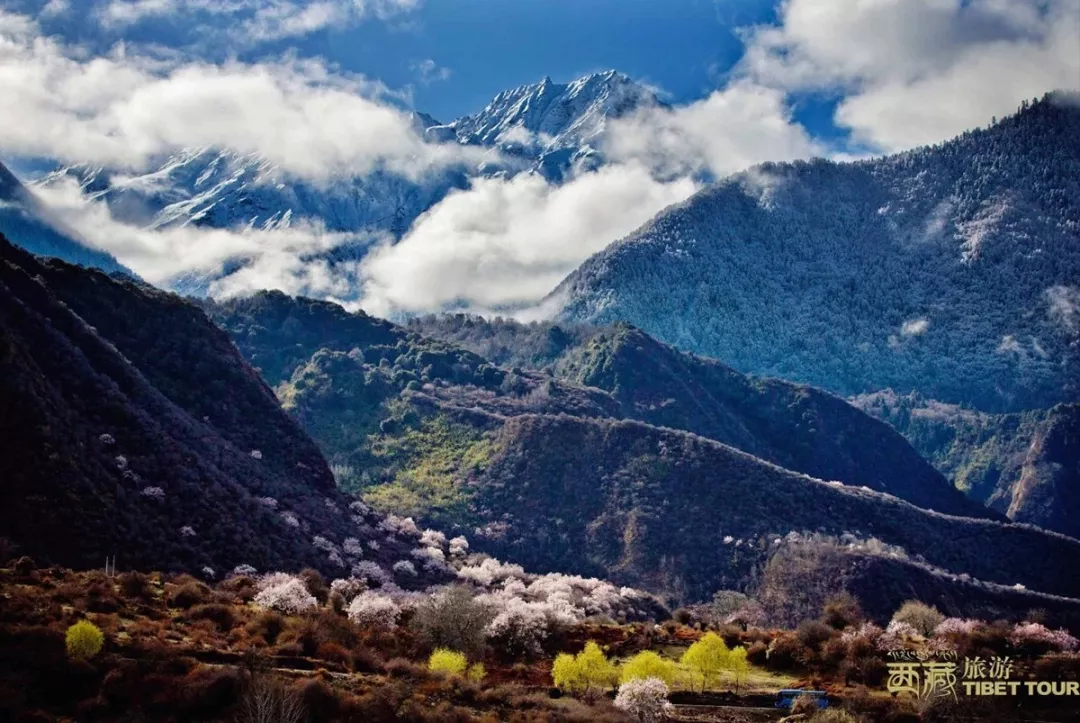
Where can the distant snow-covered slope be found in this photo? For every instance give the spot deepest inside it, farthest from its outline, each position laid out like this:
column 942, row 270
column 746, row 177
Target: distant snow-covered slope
column 27, row 222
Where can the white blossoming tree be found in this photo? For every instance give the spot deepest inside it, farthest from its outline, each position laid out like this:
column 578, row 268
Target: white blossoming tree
column 374, row 610
column 289, row 596
column 644, row 700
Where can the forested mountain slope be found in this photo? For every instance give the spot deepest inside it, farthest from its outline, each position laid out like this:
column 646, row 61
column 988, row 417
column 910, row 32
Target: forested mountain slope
column 132, row 427
column 669, row 511
column 618, row 372
column 657, row 507
column 950, row 270
column 1026, row 465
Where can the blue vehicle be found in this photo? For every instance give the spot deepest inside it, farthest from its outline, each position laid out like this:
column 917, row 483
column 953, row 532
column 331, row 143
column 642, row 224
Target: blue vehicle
column 786, row 698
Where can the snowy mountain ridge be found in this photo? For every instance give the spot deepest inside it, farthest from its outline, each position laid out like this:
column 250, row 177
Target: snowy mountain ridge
column 555, row 124
column 545, row 127
column 949, row 270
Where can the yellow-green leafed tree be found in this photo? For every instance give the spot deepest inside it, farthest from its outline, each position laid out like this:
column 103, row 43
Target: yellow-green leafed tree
column 567, row 674
column 447, row 661
column 585, row 671
column 648, row 664
column 597, row 670
column 84, row 640
column 738, row 666
column 476, row 673
column 706, row 660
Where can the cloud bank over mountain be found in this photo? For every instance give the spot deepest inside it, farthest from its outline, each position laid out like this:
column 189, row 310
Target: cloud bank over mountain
column 124, row 110
column 903, row 73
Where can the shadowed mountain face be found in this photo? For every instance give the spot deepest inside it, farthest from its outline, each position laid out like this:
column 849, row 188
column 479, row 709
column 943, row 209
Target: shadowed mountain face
column 949, row 270
column 28, row 223
column 657, row 507
column 133, row 428
column 567, row 468
column 1026, row 465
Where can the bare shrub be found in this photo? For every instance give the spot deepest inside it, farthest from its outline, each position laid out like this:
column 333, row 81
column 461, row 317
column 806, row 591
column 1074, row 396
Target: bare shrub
column 924, row 618
column 842, row 611
column 452, row 619
column 188, row 593
column 267, row 701
column 136, row 585
column 223, row 616
column 268, row 625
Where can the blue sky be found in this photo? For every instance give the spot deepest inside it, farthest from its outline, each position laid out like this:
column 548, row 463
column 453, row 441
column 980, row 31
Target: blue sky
column 489, row 45
column 452, row 56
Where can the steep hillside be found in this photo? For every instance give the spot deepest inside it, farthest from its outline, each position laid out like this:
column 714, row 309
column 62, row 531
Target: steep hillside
column 797, row 427
column 949, row 270
column 26, row 221
column 619, row 373
column 641, row 505
column 807, row 571
column 669, row 511
column 1024, row 465
column 133, row 428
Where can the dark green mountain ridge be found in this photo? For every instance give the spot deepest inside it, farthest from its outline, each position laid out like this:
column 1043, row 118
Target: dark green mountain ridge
column 618, row 373
column 1026, row 465
column 948, row 270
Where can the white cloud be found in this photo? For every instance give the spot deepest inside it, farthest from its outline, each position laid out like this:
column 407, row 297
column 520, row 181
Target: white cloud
column 503, row 242
column 121, row 13
column 509, row 242
column 123, row 110
column 728, row 131
column 1065, row 306
column 428, row 71
column 918, row 71
column 281, row 258
column 908, row 72
column 251, row 21
column 53, row 8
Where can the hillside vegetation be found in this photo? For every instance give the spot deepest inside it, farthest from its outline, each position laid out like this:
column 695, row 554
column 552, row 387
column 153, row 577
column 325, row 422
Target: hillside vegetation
column 154, row 647
column 1026, row 465
column 617, row 372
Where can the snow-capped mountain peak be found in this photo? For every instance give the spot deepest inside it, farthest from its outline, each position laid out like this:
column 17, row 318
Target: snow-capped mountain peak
column 555, row 115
